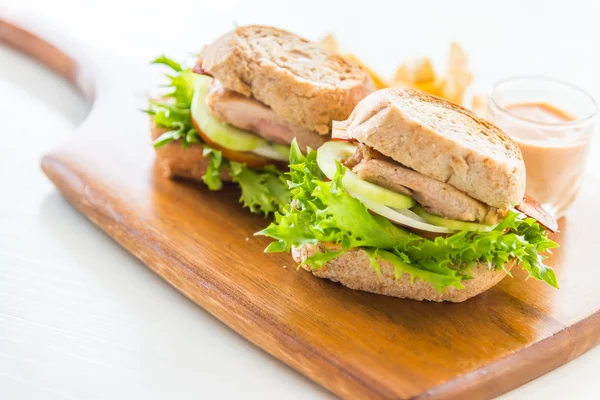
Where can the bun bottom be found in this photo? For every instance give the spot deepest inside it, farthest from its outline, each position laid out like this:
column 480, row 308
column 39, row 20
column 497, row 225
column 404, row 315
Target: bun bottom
column 176, row 162
column 353, row 269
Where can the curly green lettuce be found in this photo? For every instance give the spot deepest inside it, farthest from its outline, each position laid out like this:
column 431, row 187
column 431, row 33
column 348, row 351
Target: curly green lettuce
column 172, row 111
column 323, row 211
column 263, row 191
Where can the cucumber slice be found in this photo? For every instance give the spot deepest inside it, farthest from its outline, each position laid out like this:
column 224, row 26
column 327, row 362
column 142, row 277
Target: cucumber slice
column 222, row 134
column 329, row 152
column 450, row 223
column 402, row 216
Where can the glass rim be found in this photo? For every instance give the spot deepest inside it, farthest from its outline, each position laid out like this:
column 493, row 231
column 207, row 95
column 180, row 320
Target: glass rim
column 577, row 122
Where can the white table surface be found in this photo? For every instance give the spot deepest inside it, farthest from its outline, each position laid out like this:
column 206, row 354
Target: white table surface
column 82, row 319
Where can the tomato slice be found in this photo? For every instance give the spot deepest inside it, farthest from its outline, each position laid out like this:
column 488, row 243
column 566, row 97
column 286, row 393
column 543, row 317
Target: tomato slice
column 250, row 159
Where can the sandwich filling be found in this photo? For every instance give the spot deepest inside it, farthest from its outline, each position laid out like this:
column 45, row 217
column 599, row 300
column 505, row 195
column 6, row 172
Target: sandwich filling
column 337, row 208
column 250, row 114
column 247, row 159
column 435, row 196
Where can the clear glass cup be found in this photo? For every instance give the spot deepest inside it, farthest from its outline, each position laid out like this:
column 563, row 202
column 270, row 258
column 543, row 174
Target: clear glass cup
column 555, row 151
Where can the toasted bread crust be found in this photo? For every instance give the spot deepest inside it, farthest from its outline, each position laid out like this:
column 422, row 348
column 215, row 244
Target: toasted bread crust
column 177, row 162
column 441, row 140
column 271, row 65
column 353, row 269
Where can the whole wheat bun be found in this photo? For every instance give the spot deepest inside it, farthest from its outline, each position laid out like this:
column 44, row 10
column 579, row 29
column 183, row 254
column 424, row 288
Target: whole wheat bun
column 441, row 140
column 353, row 269
column 301, row 82
column 176, row 162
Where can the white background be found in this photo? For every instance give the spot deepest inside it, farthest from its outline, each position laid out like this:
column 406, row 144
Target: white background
column 80, row 318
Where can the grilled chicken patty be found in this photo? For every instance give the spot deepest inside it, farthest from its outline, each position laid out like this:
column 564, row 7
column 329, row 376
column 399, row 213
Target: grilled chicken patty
column 436, row 197
column 250, row 114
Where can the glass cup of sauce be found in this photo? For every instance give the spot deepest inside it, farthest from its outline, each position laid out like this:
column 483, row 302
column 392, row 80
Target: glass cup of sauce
column 552, row 122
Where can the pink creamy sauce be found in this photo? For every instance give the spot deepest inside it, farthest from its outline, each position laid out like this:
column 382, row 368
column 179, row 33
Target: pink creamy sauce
column 554, row 158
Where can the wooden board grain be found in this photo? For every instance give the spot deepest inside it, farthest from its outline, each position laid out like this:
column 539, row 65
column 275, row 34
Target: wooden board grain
column 357, row 345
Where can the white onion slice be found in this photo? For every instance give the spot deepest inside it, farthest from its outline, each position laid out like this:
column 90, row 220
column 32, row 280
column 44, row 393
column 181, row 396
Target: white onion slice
column 409, row 213
column 401, row 217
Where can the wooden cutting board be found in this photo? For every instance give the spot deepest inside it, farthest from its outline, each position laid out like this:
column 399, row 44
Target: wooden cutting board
column 355, row 344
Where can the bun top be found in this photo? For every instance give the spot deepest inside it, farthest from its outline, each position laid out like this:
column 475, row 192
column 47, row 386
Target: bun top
column 301, row 82
column 441, row 140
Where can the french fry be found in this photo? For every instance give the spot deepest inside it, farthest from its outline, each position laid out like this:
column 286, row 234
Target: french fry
column 432, row 87
column 420, row 74
column 417, row 71
column 458, row 76
column 380, row 83
column 479, row 105
column 403, row 77
column 423, row 71
column 329, row 43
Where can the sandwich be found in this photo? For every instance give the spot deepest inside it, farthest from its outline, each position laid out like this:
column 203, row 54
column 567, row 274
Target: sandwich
column 416, row 197
column 233, row 115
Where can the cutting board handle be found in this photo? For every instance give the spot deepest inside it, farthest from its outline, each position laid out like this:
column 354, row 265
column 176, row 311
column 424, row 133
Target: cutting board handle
column 51, row 49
